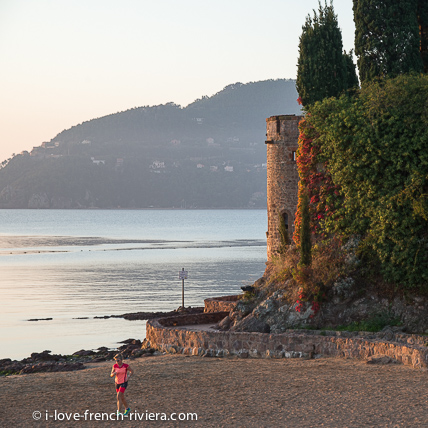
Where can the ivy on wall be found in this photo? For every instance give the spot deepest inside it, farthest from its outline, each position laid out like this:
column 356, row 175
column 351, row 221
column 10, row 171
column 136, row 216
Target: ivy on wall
column 364, row 163
column 315, row 181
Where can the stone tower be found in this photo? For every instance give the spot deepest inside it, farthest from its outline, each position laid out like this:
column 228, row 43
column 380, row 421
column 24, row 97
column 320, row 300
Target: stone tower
column 282, row 134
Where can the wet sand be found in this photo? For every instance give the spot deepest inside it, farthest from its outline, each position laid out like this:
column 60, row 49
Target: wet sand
column 325, row 392
column 13, row 244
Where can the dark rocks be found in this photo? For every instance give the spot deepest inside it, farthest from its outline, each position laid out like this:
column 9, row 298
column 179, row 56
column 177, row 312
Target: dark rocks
column 83, row 353
column 411, row 312
column 151, row 315
column 40, row 319
column 388, row 334
column 99, row 359
column 45, row 356
column 38, row 362
column 134, row 316
column 131, row 349
column 225, row 323
column 134, row 348
column 344, row 305
column 131, row 341
column 251, row 324
column 7, row 367
column 47, row 362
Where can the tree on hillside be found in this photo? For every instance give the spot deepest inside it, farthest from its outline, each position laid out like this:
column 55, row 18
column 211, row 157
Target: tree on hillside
column 387, row 37
column 323, row 69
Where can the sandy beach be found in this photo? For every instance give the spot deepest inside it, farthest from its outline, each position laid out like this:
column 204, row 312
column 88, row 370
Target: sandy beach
column 325, row 392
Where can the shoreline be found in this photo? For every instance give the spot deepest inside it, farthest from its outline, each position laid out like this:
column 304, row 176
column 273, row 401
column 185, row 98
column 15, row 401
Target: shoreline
column 47, row 362
column 137, row 316
column 39, row 244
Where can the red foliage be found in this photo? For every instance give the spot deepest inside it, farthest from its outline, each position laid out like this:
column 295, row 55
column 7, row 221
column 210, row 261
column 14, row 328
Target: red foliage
column 314, row 179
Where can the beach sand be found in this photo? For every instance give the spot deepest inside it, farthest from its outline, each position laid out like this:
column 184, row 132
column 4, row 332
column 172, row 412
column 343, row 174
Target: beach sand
column 228, row 392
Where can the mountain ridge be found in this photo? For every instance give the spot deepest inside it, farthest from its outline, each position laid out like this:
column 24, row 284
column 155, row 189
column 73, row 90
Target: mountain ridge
column 209, row 154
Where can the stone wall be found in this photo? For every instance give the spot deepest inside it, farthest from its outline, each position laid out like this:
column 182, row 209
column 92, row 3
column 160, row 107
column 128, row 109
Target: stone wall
column 168, row 334
column 221, row 304
column 282, row 175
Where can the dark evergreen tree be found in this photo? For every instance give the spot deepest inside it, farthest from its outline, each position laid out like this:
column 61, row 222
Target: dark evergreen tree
column 423, row 31
column 387, row 37
column 351, row 75
column 322, row 68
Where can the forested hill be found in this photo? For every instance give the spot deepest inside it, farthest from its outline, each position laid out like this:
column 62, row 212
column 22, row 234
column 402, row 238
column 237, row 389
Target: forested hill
column 209, row 154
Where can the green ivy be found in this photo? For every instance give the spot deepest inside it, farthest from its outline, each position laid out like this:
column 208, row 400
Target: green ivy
column 375, row 146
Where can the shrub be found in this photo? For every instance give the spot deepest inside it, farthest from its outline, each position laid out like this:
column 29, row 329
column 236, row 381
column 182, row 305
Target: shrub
column 375, row 147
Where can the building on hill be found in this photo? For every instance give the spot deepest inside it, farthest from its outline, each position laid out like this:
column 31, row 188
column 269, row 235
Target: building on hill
column 282, row 134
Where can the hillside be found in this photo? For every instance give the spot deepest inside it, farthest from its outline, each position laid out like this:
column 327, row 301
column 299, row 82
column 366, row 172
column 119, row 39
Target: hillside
column 210, row 154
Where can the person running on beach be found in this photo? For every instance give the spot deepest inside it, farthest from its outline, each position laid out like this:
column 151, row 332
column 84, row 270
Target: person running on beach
column 122, row 372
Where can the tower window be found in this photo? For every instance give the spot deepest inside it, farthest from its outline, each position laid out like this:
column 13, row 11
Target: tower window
column 285, row 217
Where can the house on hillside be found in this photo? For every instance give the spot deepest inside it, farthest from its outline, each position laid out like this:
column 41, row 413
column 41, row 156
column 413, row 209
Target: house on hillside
column 98, row 161
column 157, row 165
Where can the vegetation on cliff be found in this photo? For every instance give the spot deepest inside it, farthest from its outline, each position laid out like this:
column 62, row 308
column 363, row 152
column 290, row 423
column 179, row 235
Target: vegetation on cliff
column 210, row 154
column 363, row 168
column 375, row 146
column 362, row 156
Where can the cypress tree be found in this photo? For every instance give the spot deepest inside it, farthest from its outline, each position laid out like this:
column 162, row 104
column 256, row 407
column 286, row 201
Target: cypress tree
column 423, row 31
column 351, row 75
column 387, row 37
column 322, row 67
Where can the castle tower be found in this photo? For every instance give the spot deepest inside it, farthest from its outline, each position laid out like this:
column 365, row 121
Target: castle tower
column 282, row 177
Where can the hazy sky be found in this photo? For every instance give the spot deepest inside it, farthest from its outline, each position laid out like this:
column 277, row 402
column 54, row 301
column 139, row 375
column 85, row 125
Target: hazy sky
column 67, row 61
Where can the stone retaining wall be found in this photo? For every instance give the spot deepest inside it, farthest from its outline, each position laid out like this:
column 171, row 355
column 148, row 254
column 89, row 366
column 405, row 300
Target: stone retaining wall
column 221, row 304
column 167, row 334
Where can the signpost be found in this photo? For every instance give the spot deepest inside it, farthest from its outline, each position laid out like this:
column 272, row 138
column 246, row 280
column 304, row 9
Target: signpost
column 182, row 275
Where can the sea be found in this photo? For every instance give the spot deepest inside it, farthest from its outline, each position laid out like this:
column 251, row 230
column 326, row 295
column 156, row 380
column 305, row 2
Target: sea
column 63, row 271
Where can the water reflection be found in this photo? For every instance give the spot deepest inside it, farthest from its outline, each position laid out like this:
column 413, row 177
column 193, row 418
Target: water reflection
column 68, row 286
column 70, row 264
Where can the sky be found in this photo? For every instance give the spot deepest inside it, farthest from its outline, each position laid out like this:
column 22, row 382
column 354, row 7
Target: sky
column 63, row 62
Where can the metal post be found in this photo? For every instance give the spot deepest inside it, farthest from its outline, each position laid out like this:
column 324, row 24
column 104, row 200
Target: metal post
column 182, row 290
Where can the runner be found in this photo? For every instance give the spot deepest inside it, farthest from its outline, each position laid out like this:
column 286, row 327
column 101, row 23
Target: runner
column 122, row 372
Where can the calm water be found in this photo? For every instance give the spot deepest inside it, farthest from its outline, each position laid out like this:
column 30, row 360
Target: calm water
column 73, row 265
